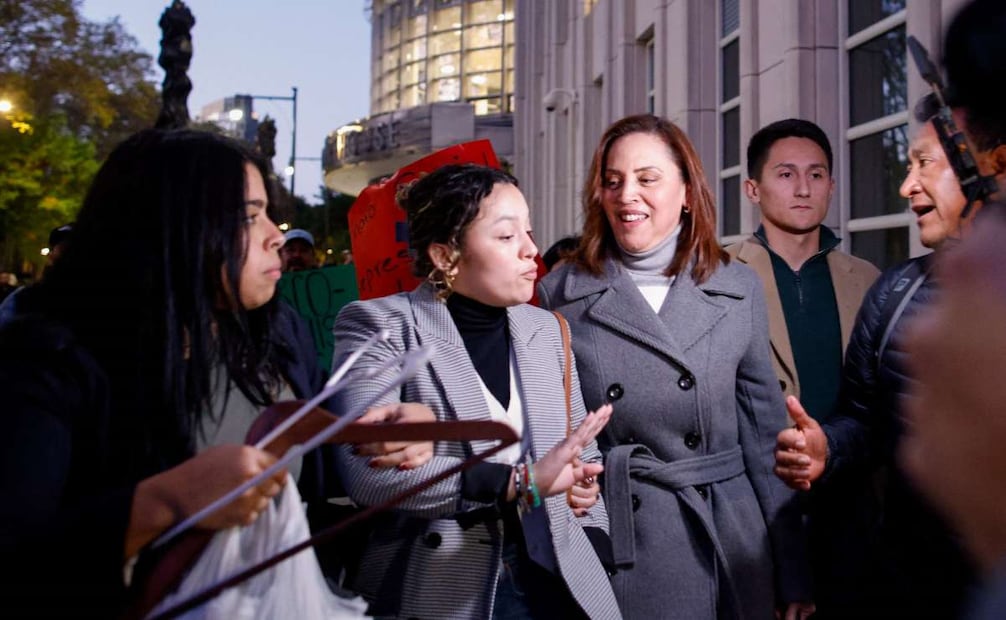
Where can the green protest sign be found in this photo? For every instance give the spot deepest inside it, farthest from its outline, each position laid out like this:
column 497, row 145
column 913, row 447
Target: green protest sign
column 318, row 295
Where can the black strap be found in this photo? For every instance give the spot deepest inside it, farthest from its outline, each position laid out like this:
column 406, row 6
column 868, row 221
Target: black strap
column 904, row 288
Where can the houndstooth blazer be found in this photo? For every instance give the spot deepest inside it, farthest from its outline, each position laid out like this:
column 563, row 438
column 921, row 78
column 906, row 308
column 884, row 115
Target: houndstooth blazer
column 419, row 562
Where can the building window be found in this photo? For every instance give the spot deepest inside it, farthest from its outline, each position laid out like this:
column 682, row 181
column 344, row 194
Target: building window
column 444, row 50
column 484, row 11
column 651, row 76
column 877, row 135
column 729, row 118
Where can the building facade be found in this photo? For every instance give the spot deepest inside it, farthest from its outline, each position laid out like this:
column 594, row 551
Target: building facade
column 234, row 115
column 442, row 72
column 721, row 69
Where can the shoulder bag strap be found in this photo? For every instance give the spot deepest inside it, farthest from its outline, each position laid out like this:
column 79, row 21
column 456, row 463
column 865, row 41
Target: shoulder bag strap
column 567, row 374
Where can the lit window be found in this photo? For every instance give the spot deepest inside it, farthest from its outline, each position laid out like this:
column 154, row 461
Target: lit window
column 484, row 11
column 447, row 89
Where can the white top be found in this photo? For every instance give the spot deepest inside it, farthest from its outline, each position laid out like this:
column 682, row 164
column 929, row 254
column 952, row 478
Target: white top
column 512, row 415
column 654, row 294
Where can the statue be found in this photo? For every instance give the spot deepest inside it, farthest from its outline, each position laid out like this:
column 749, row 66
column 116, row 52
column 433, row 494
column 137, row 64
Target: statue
column 265, row 139
column 176, row 52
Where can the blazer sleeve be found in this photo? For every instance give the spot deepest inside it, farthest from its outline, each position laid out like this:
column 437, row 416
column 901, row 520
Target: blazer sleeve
column 369, row 486
column 761, row 415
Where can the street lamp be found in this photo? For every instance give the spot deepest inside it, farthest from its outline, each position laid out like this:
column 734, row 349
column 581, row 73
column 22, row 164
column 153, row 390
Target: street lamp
column 293, row 144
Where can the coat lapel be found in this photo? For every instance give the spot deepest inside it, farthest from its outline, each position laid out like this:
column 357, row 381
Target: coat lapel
column 452, row 368
column 533, row 356
column 755, row 256
column 688, row 313
column 849, row 292
column 622, row 307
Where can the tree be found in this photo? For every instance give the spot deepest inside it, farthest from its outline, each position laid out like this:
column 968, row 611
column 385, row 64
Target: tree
column 78, row 88
column 46, row 171
column 54, row 61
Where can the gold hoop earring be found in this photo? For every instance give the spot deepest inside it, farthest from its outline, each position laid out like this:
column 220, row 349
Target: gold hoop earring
column 442, row 282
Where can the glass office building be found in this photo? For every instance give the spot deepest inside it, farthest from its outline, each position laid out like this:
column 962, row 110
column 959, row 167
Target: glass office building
column 428, row 51
column 442, row 73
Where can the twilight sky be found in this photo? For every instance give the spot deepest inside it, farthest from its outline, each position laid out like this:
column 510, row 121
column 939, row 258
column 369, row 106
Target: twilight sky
column 263, row 48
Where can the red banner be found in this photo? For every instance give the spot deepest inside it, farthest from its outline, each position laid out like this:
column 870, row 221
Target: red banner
column 377, row 225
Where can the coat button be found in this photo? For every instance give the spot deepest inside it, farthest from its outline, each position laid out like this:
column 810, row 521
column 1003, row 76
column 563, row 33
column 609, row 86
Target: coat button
column 686, row 382
column 432, row 540
column 615, row 391
column 692, row 440
column 635, row 502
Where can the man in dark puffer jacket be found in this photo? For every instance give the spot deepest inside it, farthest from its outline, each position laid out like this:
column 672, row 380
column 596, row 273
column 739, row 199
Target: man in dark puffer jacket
column 917, row 568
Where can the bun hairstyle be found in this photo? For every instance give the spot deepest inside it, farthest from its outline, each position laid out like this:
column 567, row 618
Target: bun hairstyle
column 441, row 205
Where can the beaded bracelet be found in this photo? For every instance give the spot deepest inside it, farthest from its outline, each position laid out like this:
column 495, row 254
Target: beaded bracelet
column 525, row 488
column 533, row 498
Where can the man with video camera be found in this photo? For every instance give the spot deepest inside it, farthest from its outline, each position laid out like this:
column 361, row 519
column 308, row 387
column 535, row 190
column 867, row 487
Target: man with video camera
column 953, row 449
column 917, row 567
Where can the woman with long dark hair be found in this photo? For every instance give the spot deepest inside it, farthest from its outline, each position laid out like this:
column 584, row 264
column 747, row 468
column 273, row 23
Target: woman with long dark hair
column 135, row 368
column 677, row 338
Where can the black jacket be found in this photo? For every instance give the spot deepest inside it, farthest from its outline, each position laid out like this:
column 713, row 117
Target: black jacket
column 66, row 503
column 915, row 566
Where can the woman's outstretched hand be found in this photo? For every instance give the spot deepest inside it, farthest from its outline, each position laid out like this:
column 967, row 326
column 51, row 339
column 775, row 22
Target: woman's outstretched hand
column 561, row 467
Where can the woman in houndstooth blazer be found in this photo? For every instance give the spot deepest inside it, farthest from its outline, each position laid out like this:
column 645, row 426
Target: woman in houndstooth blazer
column 462, row 549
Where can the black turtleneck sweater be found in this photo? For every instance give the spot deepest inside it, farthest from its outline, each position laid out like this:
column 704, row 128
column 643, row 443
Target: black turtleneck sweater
column 486, row 334
column 485, row 331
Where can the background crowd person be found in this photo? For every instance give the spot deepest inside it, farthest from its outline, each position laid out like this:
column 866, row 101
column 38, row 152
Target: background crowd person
column 57, row 243
column 58, row 238
column 119, row 373
column 558, row 252
column 676, row 337
column 298, row 251
column 917, row 568
column 813, row 292
column 479, row 545
column 8, row 284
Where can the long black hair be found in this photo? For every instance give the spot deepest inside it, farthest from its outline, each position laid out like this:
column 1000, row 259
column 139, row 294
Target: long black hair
column 149, row 286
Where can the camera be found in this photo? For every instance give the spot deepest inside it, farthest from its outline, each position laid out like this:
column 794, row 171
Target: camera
column 552, row 98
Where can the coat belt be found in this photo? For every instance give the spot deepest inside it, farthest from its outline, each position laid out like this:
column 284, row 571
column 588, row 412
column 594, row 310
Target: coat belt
column 681, row 477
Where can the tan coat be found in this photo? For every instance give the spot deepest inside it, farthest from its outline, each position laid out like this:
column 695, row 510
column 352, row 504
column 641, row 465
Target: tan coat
column 851, row 278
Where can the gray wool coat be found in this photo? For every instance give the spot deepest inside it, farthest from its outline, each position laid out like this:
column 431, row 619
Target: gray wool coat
column 420, row 562
column 701, row 526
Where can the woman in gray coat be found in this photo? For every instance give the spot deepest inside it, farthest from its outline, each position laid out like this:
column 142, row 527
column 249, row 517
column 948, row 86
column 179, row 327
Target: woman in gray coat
column 484, row 543
column 664, row 327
